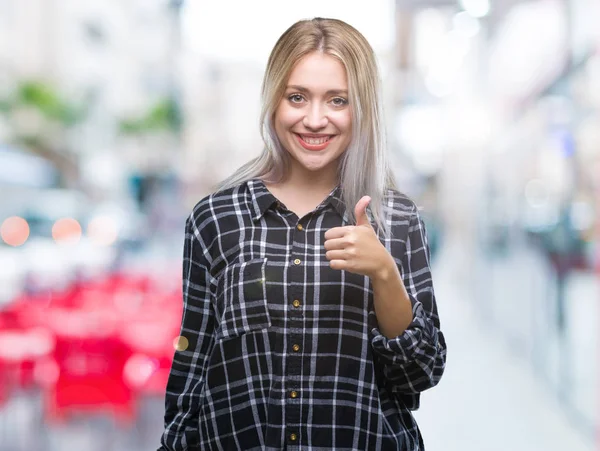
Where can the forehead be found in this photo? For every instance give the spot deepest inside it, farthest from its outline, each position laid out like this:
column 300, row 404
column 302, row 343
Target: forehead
column 319, row 71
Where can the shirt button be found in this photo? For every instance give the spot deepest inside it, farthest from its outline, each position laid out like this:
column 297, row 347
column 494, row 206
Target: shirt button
column 299, row 227
column 293, row 394
column 297, row 261
column 293, row 437
column 296, row 303
column 296, row 347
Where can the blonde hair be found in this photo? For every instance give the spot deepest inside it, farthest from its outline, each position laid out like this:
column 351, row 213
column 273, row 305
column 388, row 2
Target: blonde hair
column 364, row 167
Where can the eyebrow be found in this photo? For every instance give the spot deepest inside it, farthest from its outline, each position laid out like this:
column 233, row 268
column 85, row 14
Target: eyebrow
column 330, row 92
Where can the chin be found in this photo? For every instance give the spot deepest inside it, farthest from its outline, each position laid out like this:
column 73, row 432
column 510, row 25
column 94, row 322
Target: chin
column 316, row 167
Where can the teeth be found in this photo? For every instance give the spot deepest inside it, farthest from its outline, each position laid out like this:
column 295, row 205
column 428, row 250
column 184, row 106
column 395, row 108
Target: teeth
column 315, row 141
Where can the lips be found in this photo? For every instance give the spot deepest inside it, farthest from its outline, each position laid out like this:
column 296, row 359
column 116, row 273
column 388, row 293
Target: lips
column 314, row 142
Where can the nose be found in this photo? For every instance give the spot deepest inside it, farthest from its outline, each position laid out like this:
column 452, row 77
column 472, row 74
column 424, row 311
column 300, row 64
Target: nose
column 315, row 117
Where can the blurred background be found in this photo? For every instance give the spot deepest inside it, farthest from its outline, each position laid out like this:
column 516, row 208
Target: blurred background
column 117, row 116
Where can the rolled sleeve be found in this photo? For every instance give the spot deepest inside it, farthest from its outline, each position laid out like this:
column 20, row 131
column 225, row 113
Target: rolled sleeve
column 414, row 360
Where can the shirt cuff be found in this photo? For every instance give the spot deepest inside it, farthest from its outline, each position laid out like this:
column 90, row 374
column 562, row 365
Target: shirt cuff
column 405, row 347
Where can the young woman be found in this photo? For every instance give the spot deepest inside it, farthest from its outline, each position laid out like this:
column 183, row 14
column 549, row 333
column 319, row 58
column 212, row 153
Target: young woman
column 309, row 319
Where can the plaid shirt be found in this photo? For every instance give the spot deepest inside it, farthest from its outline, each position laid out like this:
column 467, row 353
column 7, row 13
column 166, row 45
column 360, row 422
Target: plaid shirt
column 284, row 352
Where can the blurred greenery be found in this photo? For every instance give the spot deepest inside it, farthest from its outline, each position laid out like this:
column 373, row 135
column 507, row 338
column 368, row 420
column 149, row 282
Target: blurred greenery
column 44, row 98
column 163, row 116
column 43, row 133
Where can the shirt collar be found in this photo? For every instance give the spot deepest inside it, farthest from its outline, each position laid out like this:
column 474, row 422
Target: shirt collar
column 262, row 199
column 335, row 199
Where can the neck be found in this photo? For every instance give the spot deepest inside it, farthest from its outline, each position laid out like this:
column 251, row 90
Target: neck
column 316, row 182
column 315, row 185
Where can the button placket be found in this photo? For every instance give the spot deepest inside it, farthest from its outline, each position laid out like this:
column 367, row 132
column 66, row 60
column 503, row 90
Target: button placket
column 295, row 337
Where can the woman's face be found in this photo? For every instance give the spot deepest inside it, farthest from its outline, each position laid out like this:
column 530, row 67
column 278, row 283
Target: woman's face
column 313, row 121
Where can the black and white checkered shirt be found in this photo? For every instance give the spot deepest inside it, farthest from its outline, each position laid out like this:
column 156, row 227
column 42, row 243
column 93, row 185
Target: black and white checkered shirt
column 284, row 352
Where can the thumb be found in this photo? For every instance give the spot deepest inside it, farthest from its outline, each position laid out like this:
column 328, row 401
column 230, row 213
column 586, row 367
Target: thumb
column 360, row 211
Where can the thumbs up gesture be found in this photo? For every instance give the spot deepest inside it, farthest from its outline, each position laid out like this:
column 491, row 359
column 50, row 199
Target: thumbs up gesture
column 357, row 248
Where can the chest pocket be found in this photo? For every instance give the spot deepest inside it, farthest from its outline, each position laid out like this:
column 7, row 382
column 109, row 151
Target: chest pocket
column 242, row 299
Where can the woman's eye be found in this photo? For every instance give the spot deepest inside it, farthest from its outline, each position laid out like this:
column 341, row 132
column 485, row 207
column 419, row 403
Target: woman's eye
column 339, row 101
column 295, row 98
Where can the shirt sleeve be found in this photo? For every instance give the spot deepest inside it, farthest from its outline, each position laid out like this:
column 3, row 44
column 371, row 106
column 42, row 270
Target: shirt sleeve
column 414, row 360
column 186, row 378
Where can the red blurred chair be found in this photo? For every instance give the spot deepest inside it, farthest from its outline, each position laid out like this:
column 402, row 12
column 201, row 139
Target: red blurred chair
column 93, row 346
column 90, row 361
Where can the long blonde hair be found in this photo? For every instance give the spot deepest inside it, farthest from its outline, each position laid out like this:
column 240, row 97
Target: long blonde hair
column 364, row 168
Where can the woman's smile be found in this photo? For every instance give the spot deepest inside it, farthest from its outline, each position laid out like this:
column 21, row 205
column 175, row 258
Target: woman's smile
column 314, row 142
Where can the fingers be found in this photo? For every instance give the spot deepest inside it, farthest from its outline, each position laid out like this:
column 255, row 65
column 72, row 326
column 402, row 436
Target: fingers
column 337, row 232
column 339, row 264
column 336, row 255
column 339, row 243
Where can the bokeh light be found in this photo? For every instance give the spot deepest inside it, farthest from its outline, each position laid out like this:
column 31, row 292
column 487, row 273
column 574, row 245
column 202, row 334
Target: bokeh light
column 102, row 230
column 66, row 230
column 14, row 231
column 138, row 369
column 181, row 343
